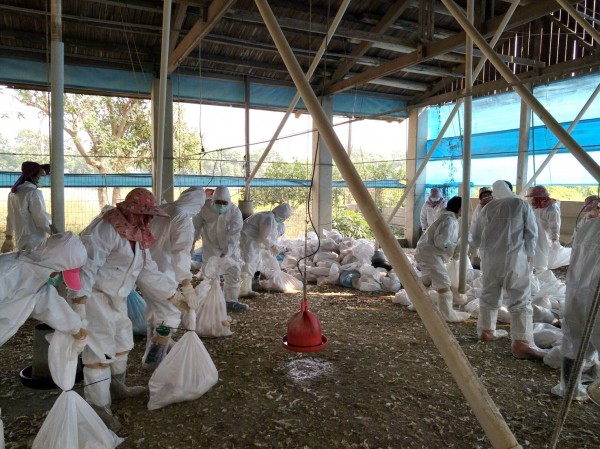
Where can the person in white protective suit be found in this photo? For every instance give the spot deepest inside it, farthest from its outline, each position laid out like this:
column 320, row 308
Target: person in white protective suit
column 485, row 196
column 582, row 281
column 116, row 242
column 219, row 223
column 171, row 251
column 27, row 222
column 260, row 230
column 506, row 233
column 547, row 214
column 27, row 280
column 589, row 211
column 434, row 249
column 432, row 208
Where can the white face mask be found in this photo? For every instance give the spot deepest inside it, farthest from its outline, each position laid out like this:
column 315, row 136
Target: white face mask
column 435, row 198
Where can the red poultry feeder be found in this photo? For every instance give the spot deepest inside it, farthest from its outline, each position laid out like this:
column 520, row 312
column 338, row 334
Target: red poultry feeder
column 304, row 332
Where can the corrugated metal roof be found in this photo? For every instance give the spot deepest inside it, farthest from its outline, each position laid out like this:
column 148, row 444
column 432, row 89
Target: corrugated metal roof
column 541, row 43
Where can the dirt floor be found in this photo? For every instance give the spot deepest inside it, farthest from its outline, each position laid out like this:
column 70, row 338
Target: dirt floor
column 381, row 383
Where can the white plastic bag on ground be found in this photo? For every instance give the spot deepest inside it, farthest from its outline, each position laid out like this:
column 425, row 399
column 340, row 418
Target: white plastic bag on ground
column 332, row 278
column 546, row 335
column 558, row 257
column 185, row 374
column 472, row 307
column 282, row 282
column 402, row 298
column 71, row 423
column 390, row 283
column 542, row 315
column 553, row 358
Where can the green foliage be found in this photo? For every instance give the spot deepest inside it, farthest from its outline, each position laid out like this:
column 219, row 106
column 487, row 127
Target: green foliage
column 351, row 224
column 572, row 193
column 271, row 196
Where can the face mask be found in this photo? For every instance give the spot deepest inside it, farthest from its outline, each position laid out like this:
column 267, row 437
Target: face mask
column 279, row 220
column 221, row 208
column 56, row 280
column 435, row 199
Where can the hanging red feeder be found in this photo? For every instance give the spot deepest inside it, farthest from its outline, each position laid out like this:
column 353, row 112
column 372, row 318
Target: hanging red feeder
column 304, row 332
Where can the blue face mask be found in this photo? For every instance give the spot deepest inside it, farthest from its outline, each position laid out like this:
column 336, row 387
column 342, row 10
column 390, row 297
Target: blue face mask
column 221, row 208
column 56, row 280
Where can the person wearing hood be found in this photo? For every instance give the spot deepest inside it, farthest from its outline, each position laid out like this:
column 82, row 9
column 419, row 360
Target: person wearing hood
column 589, row 211
column 27, row 286
column 27, row 222
column 547, row 214
column 582, row 281
column 434, row 250
column 171, row 251
column 219, row 223
column 116, row 243
column 506, row 234
column 432, row 208
column 260, row 230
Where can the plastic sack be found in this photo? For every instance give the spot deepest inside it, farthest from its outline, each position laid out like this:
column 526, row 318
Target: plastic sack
column 542, row 315
column 391, row 283
column 546, row 335
column 558, row 257
column 211, row 316
column 186, row 373
column 63, row 354
column 553, row 357
column 363, row 251
column 333, row 235
column 72, row 424
column 472, row 307
column 135, row 312
column 332, row 278
column 346, row 277
column 282, row 282
column 402, row 298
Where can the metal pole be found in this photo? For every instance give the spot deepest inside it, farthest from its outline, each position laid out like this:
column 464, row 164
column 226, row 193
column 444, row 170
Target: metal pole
column 476, row 73
column 57, row 111
column 481, row 403
column 580, row 20
column 467, row 139
column 247, row 126
column 572, row 126
column 570, row 143
column 162, row 98
column 313, row 66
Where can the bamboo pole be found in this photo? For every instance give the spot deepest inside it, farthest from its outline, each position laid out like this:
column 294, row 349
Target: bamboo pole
column 473, row 390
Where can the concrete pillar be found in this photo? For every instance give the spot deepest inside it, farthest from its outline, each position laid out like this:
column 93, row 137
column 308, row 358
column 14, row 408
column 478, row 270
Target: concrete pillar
column 167, row 165
column 321, row 189
column 523, row 155
column 415, row 153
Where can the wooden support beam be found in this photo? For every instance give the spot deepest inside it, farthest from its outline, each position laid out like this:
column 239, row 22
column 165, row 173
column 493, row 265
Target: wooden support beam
column 523, row 15
column 202, row 27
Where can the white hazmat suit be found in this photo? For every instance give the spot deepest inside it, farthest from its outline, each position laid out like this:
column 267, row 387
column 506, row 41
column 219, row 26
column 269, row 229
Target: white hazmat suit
column 171, row 250
column 505, row 234
column 260, row 230
column 582, row 280
column 548, row 221
column 24, row 291
column 220, row 226
column 27, row 219
column 434, row 249
column 114, row 266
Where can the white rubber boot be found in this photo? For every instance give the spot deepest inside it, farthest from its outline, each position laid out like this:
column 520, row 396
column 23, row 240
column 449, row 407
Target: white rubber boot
column 246, row 286
column 445, row 306
column 565, row 376
column 486, row 325
column 97, row 394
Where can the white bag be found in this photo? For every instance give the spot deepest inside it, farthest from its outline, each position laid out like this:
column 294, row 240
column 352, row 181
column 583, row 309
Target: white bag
column 185, row 374
column 211, row 316
column 546, row 335
column 71, row 423
column 282, row 282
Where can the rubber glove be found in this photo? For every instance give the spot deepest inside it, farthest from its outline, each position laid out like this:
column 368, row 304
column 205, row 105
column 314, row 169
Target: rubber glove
column 179, row 300
column 78, row 307
column 190, row 296
column 8, row 245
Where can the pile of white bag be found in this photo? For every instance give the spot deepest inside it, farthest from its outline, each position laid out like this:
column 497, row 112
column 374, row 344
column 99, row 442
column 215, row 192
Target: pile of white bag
column 327, row 260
